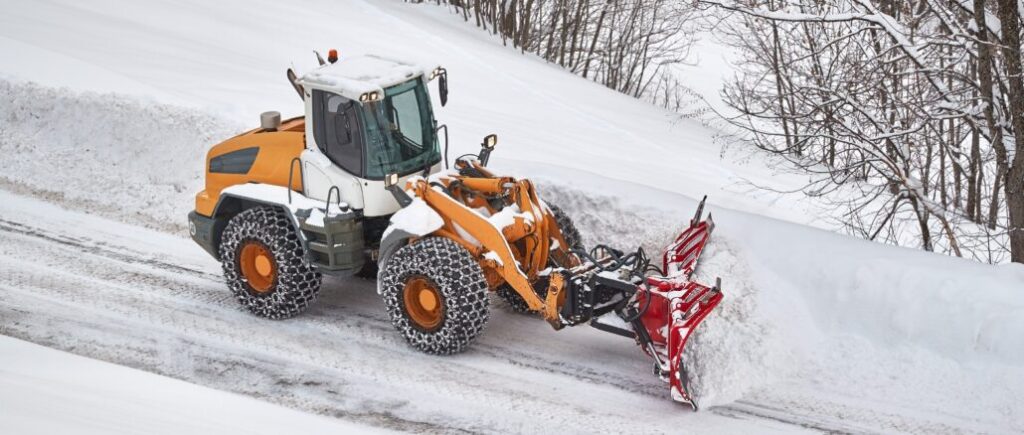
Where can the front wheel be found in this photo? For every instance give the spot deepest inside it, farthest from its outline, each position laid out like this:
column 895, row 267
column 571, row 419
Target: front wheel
column 435, row 294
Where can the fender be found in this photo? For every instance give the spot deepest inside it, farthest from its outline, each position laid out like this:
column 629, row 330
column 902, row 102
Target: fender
column 414, row 219
column 237, row 198
column 392, row 241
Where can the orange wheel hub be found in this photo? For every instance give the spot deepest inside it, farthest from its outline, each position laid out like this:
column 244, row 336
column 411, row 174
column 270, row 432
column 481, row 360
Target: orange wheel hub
column 258, row 266
column 423, row 303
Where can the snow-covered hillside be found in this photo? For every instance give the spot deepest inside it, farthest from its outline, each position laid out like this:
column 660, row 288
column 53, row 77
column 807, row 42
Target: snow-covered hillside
column 817, row 330
column 229, row 60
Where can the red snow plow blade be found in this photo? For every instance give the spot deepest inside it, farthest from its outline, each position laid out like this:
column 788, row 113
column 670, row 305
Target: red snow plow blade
column 676, row 308
column 680, row 304
column 664, row 309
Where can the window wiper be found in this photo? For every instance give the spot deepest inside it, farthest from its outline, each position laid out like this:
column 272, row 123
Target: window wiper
column 394, row 117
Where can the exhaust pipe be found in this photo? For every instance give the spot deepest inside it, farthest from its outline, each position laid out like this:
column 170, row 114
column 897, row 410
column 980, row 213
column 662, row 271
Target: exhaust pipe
column 270, row 121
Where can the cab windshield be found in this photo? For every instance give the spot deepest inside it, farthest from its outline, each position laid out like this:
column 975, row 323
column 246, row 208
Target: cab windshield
column 400, row 132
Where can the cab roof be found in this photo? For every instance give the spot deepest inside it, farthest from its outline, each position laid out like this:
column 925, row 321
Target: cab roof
column 353, row 76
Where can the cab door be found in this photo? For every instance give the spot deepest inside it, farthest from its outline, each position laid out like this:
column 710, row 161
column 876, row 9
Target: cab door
column 334, row 149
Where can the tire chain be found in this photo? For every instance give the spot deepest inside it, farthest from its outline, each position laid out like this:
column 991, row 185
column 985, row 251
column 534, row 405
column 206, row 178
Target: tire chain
column 459, row 279
column 296, row 284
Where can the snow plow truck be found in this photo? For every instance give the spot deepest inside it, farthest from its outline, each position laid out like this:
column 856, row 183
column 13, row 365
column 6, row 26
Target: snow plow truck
column 360, row 185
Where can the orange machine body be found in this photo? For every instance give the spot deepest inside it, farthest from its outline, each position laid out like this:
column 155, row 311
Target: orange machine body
column 259, row 156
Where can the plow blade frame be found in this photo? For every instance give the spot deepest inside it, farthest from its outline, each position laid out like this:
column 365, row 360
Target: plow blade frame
column 658, row 311
column 686, row 314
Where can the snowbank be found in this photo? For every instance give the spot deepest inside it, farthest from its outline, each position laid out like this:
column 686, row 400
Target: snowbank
column 809, row 309
column 120, row 156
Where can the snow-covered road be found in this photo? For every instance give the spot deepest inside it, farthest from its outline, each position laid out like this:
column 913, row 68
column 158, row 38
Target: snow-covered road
column 44, row 391
column 153, row 301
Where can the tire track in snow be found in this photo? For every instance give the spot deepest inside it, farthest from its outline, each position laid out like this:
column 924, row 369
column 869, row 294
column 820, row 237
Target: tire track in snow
column 104, row 300
column 131, row 308
column 112, row 331
column 379, row 321
column 119, row 254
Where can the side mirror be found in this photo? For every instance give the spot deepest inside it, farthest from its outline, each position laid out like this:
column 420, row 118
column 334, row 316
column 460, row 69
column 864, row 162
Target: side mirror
column 442, row 83
column 486, row 147
column 442, row 87
column 390, row 180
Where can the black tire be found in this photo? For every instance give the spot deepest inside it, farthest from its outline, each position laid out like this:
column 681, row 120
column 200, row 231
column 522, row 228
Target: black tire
column 571, row 235
column 569, row 231
column 294, row 284
column 455, row 276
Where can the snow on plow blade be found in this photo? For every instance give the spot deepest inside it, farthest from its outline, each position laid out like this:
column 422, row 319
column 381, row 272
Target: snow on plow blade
column 674, row 309
column 676, row 305
column 666, row 308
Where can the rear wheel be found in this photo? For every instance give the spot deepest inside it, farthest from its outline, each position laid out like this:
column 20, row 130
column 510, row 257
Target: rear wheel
column 263, row 264
column 435, row 294
column 571, row 236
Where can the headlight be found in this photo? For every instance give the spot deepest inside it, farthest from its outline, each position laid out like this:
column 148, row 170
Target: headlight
column 490, row 141
column 369, row 96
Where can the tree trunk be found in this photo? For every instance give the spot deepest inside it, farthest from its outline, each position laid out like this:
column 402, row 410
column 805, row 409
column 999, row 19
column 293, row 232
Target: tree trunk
column 777, row 69
column 1009, row 16
column 597, row 34
column 993, row 208
column 985, row 82
column 922, row 221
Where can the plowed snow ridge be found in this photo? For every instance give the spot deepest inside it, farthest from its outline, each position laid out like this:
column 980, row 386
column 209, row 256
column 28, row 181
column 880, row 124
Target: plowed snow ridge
column 119, row 156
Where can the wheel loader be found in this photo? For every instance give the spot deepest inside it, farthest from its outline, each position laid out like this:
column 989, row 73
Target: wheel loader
column 360, row 185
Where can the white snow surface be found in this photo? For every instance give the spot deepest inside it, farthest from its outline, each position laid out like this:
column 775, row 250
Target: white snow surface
column 352, row 76
column 46, row 391
column 417, row 218
column 157, row 302
column 817, row 331
column 507, row 216
column 277, row 195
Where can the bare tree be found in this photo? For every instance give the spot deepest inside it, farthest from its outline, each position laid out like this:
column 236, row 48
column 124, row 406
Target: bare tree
column 627, row 45
column 904, row 113
column 878, row 100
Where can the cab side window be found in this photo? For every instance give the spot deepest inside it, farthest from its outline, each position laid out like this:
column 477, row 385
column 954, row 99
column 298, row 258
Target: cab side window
column 336, row 131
